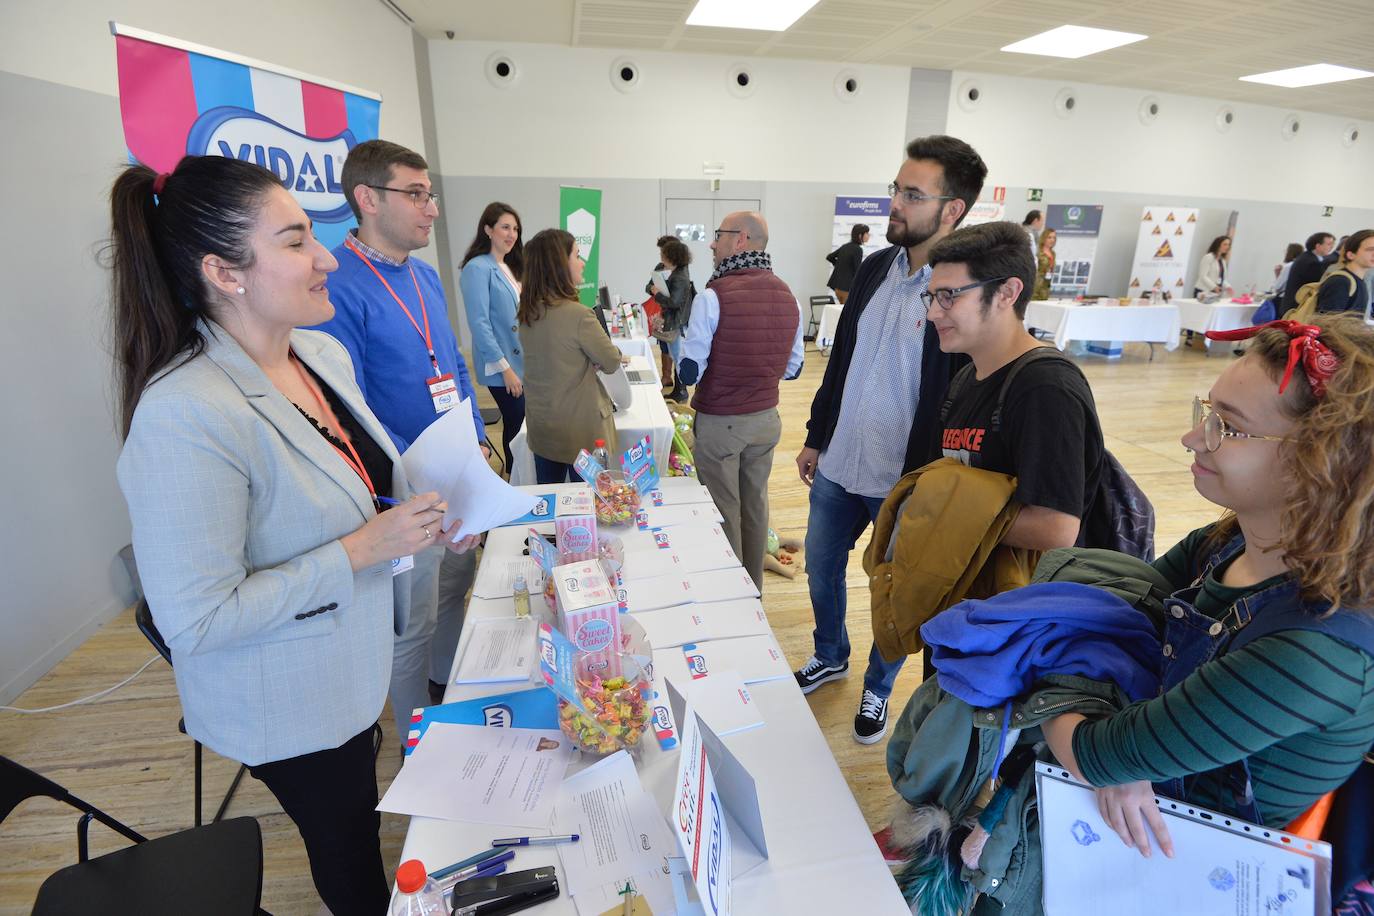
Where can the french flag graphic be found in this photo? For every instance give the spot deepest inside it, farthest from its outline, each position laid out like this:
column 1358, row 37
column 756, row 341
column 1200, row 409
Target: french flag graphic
column 174, row 101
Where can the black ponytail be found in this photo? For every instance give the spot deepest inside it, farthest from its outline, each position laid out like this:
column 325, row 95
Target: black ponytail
column 208, row 205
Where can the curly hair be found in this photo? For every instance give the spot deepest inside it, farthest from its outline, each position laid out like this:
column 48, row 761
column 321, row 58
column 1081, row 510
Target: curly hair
column 1327, row 527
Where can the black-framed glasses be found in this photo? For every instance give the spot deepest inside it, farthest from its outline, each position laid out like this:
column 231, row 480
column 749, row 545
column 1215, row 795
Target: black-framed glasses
column 912, row 195
column 720, row 232
column 946, row 297
column 1215, row 430
column 420, row 199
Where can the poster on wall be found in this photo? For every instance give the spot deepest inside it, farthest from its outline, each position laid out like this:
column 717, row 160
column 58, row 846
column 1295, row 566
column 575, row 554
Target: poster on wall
column 579, row 213
column 178, row 99
column 1076, row 227
column 852, row 211
column 985, row 211
column 1162, row 251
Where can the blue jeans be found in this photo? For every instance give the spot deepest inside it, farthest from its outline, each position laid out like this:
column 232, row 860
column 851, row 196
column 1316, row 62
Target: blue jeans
column 546, row 470
column 837, row 518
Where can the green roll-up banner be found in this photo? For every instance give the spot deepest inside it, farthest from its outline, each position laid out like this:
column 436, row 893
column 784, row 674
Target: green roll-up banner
column 579, row 212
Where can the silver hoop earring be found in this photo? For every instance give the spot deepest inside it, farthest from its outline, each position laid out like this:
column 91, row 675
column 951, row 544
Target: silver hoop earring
column 240, row 290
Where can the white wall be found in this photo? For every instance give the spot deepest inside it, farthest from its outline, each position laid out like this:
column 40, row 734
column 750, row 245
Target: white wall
column 563, row 118
column 65, row 519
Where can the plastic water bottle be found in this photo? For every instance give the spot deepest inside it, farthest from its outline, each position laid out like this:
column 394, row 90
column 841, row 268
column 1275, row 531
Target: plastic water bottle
column 522, row 597
column 416, row 894
column 599, row 453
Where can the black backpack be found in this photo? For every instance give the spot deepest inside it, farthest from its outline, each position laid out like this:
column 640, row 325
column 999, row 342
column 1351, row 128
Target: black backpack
column 1121, row 517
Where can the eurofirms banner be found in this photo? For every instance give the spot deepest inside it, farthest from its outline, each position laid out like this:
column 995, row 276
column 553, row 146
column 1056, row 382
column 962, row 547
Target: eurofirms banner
column 852, row 211
column 579, row 213
column 1161, row 251
column 1076, row 227
column 178, row 99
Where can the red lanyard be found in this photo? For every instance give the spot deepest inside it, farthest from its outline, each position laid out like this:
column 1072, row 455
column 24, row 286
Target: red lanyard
column 429, row 344
column 354, row 462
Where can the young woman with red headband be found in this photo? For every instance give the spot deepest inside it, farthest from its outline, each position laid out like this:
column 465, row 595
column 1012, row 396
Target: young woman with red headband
column 1268, row 670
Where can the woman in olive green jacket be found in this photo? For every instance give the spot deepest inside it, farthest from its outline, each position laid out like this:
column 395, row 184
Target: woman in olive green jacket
column 566, row 409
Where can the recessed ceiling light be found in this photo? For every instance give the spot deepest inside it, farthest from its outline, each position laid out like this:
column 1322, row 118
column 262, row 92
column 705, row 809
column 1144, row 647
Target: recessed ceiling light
column 1311, row 75
column 1072, row 41
column 764, row 15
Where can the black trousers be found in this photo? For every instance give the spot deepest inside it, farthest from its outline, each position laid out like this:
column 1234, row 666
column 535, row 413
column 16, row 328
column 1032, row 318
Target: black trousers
column 332, row 796
column 512, row 418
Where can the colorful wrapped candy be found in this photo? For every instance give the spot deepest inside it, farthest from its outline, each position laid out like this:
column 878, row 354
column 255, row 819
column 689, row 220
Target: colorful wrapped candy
column 617, row 500
column 618, row 707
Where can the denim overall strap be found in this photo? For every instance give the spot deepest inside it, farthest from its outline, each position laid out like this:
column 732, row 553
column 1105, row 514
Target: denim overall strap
column 1191, row 640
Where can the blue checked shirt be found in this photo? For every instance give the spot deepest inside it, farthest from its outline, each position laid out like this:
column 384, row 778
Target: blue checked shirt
column 882, row 386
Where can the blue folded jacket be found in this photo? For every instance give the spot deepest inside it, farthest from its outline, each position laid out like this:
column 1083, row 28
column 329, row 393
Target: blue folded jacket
column 989, row 651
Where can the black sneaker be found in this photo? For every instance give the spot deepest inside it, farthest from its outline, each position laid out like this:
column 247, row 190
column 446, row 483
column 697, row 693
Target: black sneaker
column 871, row 723
column 816, row 672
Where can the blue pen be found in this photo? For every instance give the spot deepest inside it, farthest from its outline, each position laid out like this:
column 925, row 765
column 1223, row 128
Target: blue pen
column 536, row 840
column 482, row 856
column 388, row 501
column 487, row 869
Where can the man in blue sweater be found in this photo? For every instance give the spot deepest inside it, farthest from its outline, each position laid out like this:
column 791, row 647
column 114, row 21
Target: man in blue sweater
column 392, row 315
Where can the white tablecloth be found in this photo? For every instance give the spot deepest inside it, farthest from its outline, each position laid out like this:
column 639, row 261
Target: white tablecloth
column 1139, row 323
column 1223, row 315
column 646, row 414
column 830, row 320
column 821, row 856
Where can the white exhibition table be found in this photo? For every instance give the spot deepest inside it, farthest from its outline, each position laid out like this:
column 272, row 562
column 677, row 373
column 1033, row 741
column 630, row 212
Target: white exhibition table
column 822, row 858
column 647, row 414
column 639, row 345
column 1067, row 320
column 830, row 320
column 1222, row 315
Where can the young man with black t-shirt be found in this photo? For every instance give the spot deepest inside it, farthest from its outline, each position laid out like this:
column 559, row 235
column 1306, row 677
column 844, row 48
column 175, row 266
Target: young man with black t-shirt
column 1047, row 434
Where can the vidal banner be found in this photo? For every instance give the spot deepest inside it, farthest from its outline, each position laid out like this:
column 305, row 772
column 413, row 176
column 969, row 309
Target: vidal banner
column 1162, row 250
column 579, row 212
column 176, row 98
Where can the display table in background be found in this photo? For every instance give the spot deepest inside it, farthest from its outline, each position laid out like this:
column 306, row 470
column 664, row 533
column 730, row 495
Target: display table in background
column 1066, row 321
column 822, row 858
column 640, row 345
column 646, row 415
column 1222, row 315
column 825, row 332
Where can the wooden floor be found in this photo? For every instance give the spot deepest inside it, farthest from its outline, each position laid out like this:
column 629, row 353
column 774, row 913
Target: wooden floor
column 123, row 753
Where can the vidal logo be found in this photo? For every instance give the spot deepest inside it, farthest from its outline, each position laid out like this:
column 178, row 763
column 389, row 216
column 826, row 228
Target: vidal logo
column 714, row 853
column 308, row 167
column 498, row 716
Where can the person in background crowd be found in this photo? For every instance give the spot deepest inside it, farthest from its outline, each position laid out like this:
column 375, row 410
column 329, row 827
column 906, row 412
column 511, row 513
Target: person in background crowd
column 1344, row 289
column 1044, row 264
column 1211, row 270
column 846, row 260
column 1307, row 267
column 490, row 282
column 567, row 409
column 745, row 335
column 675, row 310
column 1281, row 270
column 876, row 413
column 1034, row 224
column 392, row 316
column 1335, row 260
column 253, row 468
column 666, row 358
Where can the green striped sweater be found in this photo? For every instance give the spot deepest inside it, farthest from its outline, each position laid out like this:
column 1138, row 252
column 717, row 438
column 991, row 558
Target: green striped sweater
column 1299, row 705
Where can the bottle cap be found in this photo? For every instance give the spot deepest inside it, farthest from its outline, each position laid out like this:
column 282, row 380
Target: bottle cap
column 410, row 877
column 600, row 443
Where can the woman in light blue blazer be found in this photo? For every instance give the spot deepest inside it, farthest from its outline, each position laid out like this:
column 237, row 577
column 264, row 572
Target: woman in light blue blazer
column 254, row 474
column 490, row 282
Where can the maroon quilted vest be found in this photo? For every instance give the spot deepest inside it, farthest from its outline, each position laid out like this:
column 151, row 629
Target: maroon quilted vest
column 753, row 340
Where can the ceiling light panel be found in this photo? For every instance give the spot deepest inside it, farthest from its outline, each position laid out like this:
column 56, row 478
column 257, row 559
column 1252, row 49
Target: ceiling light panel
column 761, row 15
column 1073, row 41
column 1311, row 75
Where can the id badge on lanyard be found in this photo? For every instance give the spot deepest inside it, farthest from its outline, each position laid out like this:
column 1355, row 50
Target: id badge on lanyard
column 444, row 391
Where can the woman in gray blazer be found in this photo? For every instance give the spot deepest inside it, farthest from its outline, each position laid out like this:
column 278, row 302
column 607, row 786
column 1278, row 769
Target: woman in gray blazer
column 491, row 294
column 566, row 409
column 254, row 474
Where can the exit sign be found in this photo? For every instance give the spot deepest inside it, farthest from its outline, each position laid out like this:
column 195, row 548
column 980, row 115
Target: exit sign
column 1035, row 194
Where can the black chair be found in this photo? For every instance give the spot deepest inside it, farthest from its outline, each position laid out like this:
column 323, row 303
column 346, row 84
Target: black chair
column 813, row 325
column 143, row 616
column 212, row 869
